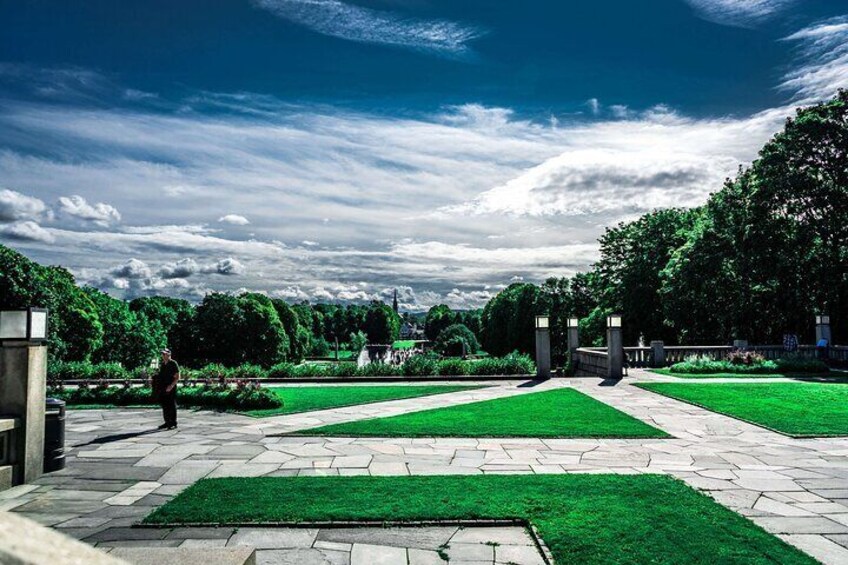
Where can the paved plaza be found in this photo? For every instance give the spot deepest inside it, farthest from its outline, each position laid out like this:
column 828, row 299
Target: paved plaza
column 119, row 468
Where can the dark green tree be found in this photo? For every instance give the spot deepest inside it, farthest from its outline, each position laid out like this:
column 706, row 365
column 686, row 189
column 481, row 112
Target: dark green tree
column 457, row 340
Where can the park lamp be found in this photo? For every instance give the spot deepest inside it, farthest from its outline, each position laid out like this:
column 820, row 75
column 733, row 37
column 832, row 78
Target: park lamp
column 822, row 319
column 24, row 325
column 542, row 322
column 574, row 322
column 614, row 321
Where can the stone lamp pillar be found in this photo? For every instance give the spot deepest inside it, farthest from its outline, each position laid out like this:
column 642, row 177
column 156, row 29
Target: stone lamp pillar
column 543, row 347
column 615, row 347
column 823, row 329
column 573, row 335
column 23, row 386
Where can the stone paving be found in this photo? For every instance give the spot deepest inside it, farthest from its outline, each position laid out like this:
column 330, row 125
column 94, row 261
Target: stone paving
column 119, row 469
column 349, row 546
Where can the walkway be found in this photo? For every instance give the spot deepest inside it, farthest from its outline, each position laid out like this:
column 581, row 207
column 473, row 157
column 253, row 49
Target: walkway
column 118, row 470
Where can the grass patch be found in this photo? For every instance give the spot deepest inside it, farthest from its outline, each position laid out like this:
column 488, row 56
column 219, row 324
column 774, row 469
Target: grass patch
column 587, row 519
column 403, row 344
column 796, row 409
column 821, row 376
column 309, row 398
column 563, row 412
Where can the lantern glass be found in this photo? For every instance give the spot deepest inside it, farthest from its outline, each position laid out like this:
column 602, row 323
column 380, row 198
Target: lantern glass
column 614, row 321
column 574, row 322
column 542, row 322
column 13, row 324
column 38, row 324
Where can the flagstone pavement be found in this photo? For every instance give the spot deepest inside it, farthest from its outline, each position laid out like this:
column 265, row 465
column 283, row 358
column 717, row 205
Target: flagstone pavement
column 119, row 468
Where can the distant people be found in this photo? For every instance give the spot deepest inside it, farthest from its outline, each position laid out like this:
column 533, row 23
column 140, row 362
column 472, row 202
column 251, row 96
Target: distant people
column 790, row 343
column 165, row 389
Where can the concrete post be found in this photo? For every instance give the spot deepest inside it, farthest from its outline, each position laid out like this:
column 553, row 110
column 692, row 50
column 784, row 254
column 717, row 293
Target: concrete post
column 615, row 347
column 823, row 329
column 658, row 353
column 23, row 391
column 573, row 337
column 543, row 353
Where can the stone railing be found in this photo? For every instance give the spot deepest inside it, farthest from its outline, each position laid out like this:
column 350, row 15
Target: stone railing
column 591, row 362
column 8, row 427
column 638, row 357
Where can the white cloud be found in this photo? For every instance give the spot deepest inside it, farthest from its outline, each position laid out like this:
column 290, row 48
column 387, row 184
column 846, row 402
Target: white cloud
column 99, row 214
column 181, row 269
column 366, row 25
column 824, row 61
column 26, row 231
column 234, row 219
column 132, row 269
column 739, row 13
column 230, row 266
column 16, row 206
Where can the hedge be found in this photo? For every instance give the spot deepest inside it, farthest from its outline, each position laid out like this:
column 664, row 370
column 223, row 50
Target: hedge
column 764, row 367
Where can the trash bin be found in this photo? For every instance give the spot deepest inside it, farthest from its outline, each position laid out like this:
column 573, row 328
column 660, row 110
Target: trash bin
column 54, row 435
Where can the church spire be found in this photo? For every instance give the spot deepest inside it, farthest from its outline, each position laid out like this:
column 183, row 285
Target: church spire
column 394, row 302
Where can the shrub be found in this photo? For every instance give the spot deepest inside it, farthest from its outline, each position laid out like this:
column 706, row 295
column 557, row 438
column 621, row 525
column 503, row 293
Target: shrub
column 79, row 370
column 801, row 365
column 513, row 364
column 211, row 372
column 740, row 357
column 247, row 371
column 342, row 370
column 456, row 339
column 419, row 366
column 282, row 371
column 378, row 370
column 453, row 367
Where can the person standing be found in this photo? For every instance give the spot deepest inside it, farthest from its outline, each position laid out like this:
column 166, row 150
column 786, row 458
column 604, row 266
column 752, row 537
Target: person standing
column 165, row 389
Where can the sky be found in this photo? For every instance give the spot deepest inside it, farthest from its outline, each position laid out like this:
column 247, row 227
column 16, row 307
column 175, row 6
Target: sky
column 334, row 150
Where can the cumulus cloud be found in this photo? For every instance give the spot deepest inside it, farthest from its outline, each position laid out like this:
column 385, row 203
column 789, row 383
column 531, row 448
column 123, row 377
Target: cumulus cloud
column 99, row 214
column 132, row 269
column 739, row 13
column 366, row 25
column 26, row 231
column 234, row 219
column 181, row 269
column 230, row 266
column 16, row 206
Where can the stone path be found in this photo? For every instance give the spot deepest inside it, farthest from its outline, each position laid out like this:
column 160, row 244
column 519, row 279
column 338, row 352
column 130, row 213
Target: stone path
column 357, row 546
column 118, row 470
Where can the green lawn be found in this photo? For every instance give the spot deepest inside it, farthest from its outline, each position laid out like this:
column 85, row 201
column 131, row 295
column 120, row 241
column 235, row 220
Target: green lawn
column 818, row 376
column 309, row 398
column 586, row 519
column 797, row 409
column 563, row 412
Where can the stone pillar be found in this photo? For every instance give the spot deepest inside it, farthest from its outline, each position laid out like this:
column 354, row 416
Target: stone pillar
column 658, row 353
column 23, row 390
column 615, row 347
column 823, row 329
column 573, row 336
column 543, row 352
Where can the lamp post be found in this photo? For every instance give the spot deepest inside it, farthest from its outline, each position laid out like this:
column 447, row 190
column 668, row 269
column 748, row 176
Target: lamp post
column 615, row 347
column 23, row 386
column 543, row 347
column 573, row 335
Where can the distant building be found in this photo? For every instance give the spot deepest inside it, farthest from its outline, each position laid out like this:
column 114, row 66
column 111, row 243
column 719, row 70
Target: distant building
column 411, row 330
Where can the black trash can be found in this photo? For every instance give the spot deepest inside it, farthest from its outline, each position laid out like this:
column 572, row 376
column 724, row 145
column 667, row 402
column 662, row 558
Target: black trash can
column 54, row 435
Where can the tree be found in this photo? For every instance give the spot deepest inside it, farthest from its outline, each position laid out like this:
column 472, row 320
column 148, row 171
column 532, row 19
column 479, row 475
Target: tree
column 456, row 340
column 508, row 320
column 239, row 329
column 299, row 337
column 74, row 328
column 129, row 338
column 438, row 318
column 382, row 324
column 628, row 274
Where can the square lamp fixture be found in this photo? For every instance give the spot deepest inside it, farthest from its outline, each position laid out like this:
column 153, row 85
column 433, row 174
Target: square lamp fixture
column 614, row 321
column 822, row 319
column 24, row 325
column 542, row 322
column 574, row 322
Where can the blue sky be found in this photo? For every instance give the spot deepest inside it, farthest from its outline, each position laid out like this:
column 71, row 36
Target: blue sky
column 334, row 150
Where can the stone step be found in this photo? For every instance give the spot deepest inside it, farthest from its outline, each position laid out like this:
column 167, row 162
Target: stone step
column 185, row 555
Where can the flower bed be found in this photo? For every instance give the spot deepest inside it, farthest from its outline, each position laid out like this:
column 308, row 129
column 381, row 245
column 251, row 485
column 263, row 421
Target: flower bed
column 416, row 366
column 748, row 363
column 221, row 396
